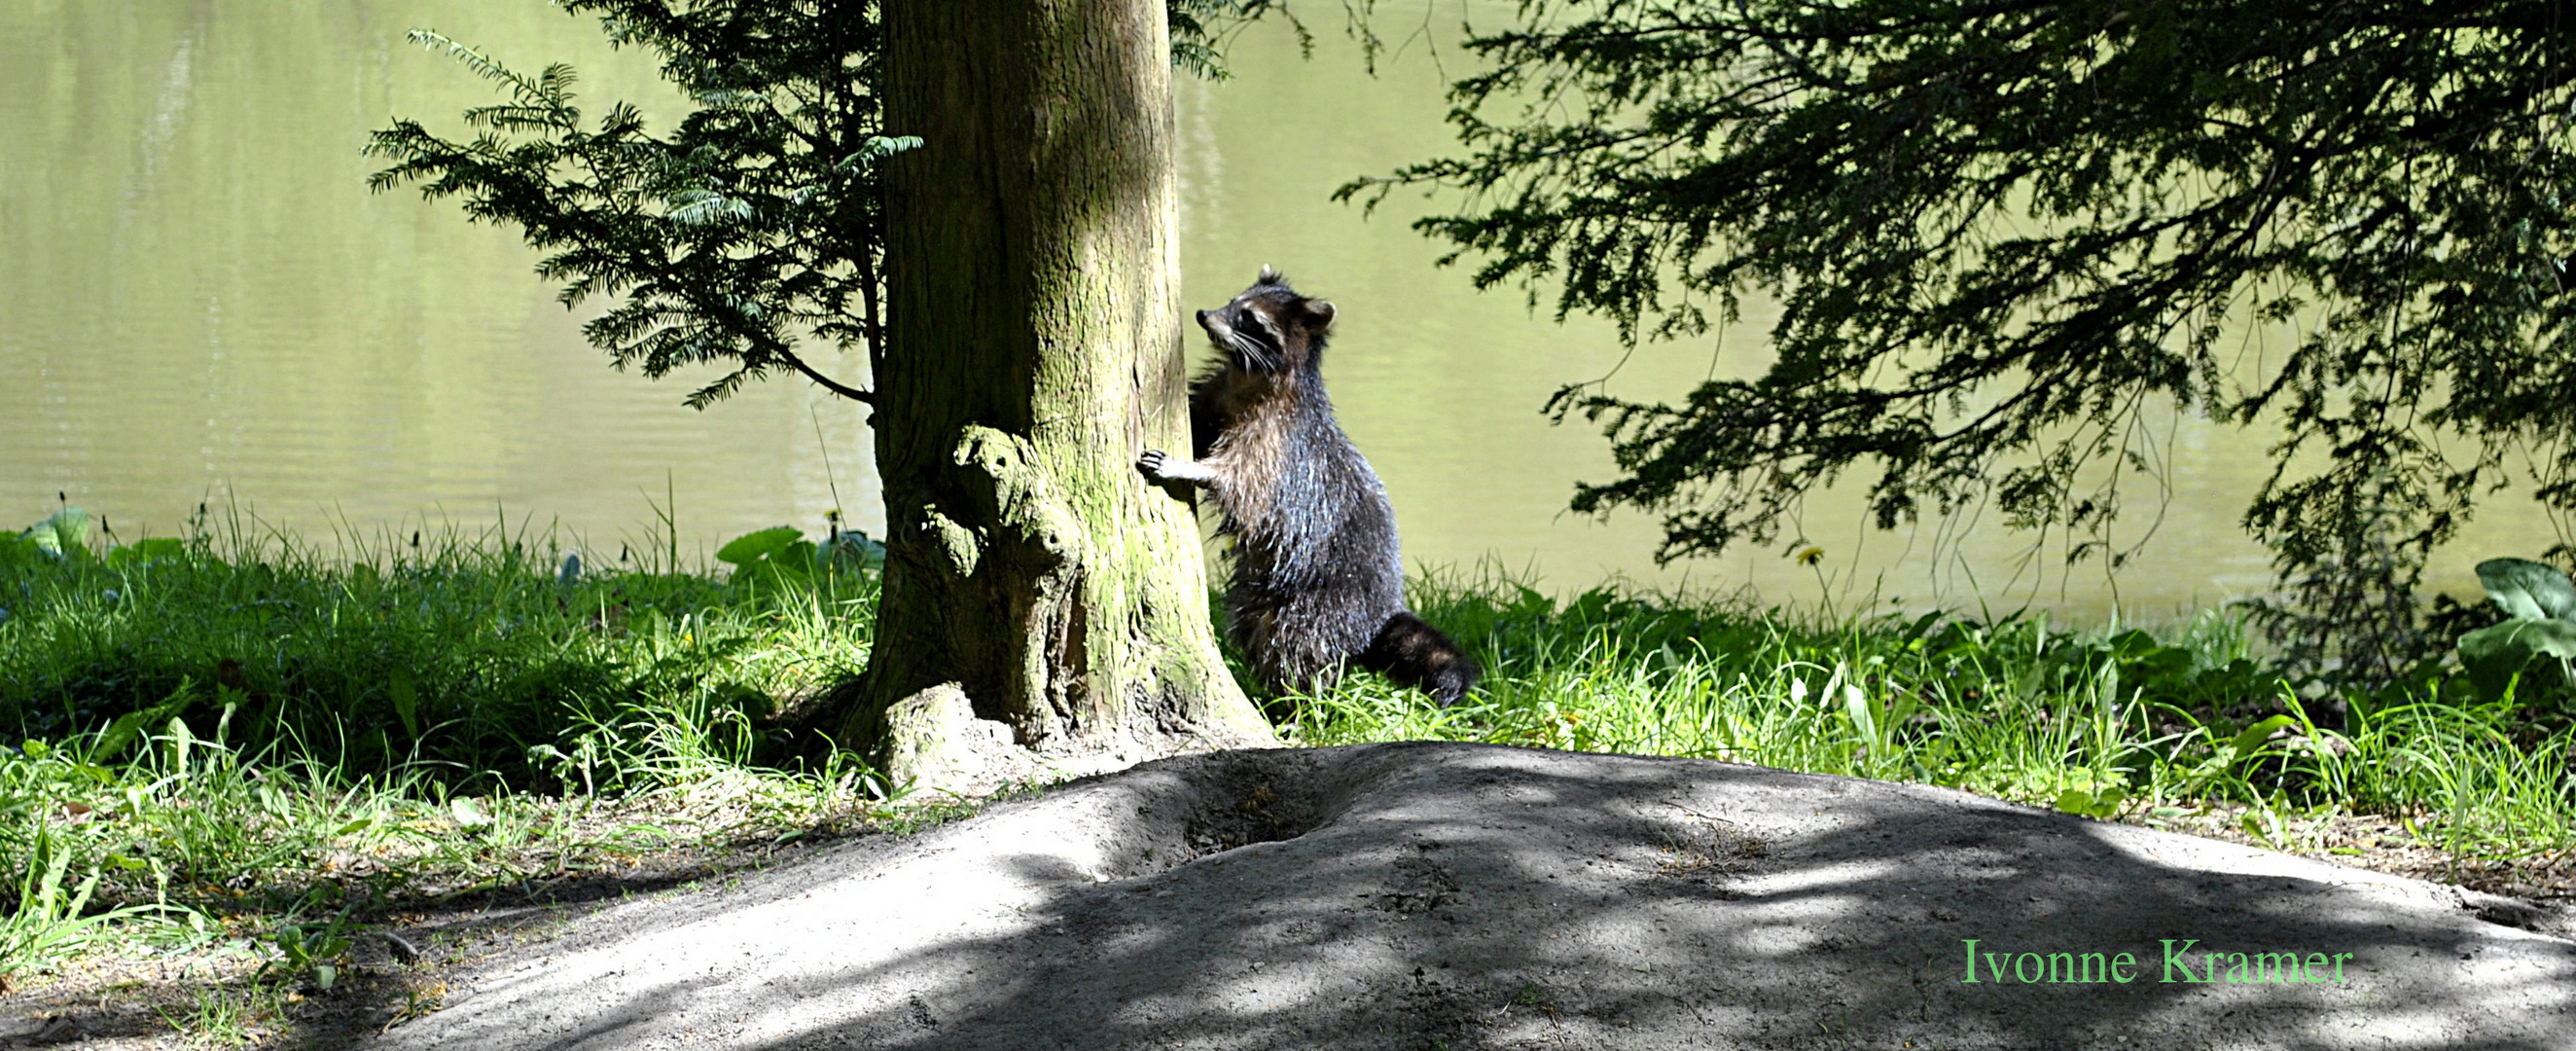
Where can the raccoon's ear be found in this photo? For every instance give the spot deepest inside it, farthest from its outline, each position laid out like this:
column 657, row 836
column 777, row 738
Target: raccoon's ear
column 1321, row 310
column 1268, row 276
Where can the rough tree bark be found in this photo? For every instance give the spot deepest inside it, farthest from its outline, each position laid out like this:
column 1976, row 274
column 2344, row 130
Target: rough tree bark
column 1032, row 576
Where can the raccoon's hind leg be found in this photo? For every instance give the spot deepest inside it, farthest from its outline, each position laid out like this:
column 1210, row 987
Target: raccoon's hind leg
column 1413, row 653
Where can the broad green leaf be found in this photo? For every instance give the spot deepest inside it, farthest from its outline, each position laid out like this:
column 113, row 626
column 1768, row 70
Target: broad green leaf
column 180, row 740
column 406, row 698
column 71, row 530
column 122, row 732
column 64, row 535
column 1532, row 603
column 290, row 943
column 1856, row 704
column 2557, row 638
column 2494, row 655
column 2528, row 590
column 1897, row 711
column 2103, row 804
column 853, row 547
column 800, row 558
column 775, row 558
column 469, row 816
column 753, row 547
column 142, row 552
column 2254, row 736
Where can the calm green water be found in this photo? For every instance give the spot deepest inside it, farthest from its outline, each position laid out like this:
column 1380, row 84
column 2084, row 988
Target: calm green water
column 199, row 300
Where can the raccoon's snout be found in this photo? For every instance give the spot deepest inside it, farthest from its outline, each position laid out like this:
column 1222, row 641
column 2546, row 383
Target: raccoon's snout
column 1214, row 323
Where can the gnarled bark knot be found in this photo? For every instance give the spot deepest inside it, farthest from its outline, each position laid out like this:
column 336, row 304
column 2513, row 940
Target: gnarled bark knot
column 1001, row 473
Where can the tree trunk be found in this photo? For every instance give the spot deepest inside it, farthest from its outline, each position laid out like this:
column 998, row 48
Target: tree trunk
column 1032, row 272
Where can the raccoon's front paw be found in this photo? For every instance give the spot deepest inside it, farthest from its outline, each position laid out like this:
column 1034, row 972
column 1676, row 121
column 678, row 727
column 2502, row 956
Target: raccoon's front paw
column 1152, row 463
column 1161, row 466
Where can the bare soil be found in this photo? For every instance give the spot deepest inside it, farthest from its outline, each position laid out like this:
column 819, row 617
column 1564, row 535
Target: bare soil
column 1453, row 896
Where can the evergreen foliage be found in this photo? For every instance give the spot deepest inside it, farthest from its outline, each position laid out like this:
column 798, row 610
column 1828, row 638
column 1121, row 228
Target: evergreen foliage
column 749, row 232
column 750, row 227
column 2007, row 236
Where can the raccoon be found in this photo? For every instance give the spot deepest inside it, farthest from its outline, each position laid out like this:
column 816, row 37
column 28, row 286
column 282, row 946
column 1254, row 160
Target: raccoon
column 1318, row 575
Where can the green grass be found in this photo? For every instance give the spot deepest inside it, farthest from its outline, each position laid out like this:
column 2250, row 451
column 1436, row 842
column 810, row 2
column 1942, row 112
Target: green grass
column 471, row 653
column 236, row 735
column 241, row 744
column 2105, row 722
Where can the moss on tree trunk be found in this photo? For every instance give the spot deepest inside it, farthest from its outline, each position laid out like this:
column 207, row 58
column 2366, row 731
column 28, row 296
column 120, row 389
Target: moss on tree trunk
column 1035, row 348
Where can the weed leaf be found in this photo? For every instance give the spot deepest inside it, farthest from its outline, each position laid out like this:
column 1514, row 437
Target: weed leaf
column 64, row 535
column 145, row 552
column 2253, row 736
column 2494, row 655
column 113, row 740
column 468, row 815
column 752, row 547
column 2528, row 590
column 406, row 698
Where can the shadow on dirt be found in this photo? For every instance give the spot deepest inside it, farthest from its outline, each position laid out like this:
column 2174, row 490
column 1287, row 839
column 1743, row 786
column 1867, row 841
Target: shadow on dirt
column 1414, row 896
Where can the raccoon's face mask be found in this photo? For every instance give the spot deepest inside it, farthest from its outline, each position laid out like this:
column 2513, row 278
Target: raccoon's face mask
column 1269, row 327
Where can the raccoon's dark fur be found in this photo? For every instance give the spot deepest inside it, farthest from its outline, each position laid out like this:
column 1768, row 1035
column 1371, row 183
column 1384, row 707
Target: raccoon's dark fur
column 1318, row 576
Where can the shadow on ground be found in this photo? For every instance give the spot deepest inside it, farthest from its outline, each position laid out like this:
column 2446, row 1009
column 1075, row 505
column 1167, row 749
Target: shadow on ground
column 1462, row 896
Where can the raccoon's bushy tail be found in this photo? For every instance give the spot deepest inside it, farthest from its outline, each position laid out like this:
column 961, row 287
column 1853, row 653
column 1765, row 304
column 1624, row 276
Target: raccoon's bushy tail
column 1413, row 653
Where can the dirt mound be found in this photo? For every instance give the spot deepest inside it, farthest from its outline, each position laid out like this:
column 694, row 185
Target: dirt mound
column 1420, row 896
